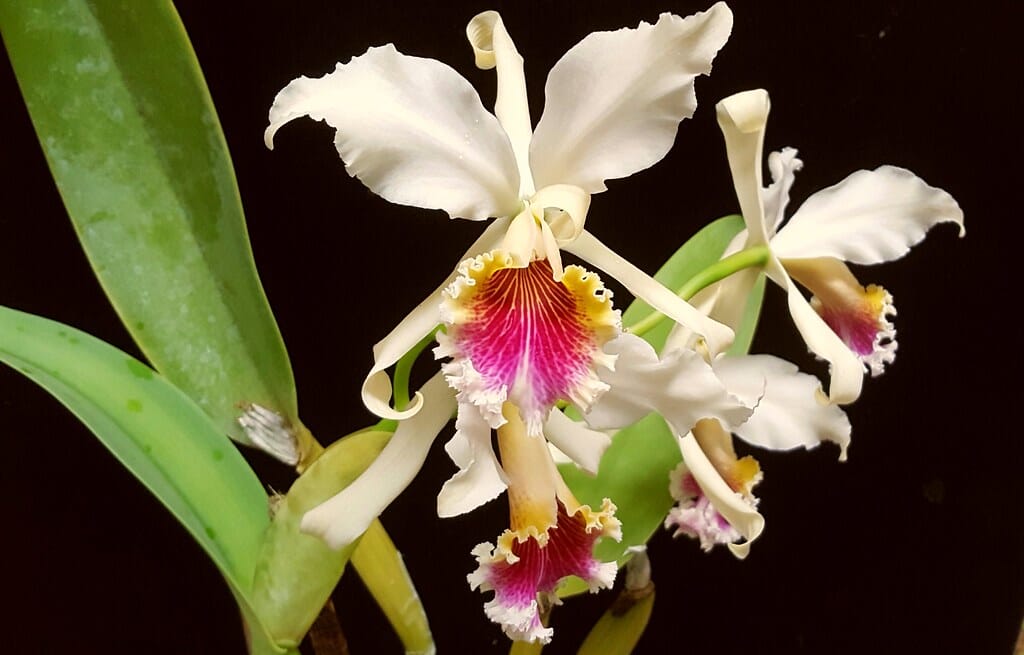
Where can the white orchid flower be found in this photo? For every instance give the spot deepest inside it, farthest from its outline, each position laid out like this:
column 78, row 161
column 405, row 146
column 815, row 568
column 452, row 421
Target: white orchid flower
column 415, row 132
column 762, row 399
column 522, row 331
column 868, row 218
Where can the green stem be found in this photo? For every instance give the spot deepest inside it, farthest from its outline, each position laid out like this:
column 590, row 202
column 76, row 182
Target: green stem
column 404, row 368
column 723, row 268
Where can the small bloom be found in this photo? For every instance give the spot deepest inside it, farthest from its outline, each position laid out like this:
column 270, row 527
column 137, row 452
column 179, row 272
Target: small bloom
column 695, row 514
column 868, row 218
column 551, row 537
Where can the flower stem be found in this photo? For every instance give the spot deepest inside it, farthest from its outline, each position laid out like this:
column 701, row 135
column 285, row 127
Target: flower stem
column 723, row 268
column 404, row 367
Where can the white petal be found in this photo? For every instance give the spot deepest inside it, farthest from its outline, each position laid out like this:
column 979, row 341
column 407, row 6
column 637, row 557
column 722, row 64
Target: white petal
column 412, row 129
column 680, row 386
column 480, row 478
column 747, row 520
column 868, row 218
column 493, row 48
column 846, row 370
column 411, row 330
column 343, row 518
column 580, row 444
column 615, row 100
column 783, row 166
column 788, row 413
column 742, row 118
column 641, row 285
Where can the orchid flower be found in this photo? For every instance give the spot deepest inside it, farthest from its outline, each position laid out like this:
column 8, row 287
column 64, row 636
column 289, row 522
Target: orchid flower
column 762, row 399
column 416, row 133
column 522, row 331
column 786, row 415
column 868, row 218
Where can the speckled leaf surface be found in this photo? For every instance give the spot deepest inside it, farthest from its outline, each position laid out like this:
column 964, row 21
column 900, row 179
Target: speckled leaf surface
column 134, row 144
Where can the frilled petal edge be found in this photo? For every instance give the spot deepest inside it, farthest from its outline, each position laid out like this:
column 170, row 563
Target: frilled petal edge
column 411, row 330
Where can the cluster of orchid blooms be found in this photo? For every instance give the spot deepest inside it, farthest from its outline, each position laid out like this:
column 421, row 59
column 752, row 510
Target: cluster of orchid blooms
column 523, row 335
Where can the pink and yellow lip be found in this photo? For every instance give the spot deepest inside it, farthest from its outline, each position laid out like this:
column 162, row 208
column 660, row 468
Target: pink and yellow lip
column 526, row 567
column 516, row 334
column 858, row 315
column 864, row 326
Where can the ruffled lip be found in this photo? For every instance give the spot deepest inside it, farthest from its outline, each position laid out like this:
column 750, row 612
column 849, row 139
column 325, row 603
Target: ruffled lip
column 515, row 334
column 527, row 565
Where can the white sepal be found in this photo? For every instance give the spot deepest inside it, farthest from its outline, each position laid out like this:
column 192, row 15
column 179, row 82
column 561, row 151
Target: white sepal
column 717, row 336
column 344, row 517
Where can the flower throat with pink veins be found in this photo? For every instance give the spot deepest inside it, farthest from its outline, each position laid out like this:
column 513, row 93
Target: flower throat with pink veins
column 515, row 334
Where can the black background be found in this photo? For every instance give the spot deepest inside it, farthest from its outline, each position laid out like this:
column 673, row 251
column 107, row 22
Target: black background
column 913, row 546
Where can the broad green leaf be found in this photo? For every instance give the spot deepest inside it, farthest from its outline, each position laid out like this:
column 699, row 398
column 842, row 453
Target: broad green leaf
column 132, row 139
column 158, row 434
column 702, row 250
column 297, row 572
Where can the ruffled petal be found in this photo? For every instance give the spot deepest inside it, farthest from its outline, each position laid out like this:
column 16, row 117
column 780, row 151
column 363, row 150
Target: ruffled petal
column 680, row 386
column 581, row 445
column 783, row 166
column 730, row 504
column 376, row 391
column 787, row 413
column 868, row 218
column 615, row 100
column 480, row 478
column 718, row 337
column 845, row 370
column 413, row 130
column 742, row 118
column 343, row 518
column 515, row 334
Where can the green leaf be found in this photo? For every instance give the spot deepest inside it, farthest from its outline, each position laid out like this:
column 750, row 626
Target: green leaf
column 296, row 571
column 132, row 139
column 158, row 434
column 702, row 250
